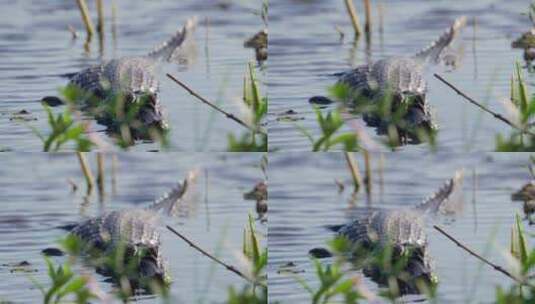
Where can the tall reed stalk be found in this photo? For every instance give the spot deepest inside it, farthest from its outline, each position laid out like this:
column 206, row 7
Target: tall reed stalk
column 354, row 17
column 86, row 18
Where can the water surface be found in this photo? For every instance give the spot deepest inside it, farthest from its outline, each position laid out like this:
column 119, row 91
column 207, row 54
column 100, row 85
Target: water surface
column 305, row 48
column 36, row 49
column 36, row 198
column 304, row 199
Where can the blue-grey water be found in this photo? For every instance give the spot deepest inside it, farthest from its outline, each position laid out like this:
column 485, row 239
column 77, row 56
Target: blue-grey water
column 36, row 49
column 305, row 48
column 36, row 197
column 304, row 198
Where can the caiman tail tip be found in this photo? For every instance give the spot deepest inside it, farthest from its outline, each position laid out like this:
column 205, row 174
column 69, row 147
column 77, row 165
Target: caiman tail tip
column 459, row 176
column 191, row 23
column 460, row 22
column 166, row 49
column 446, row 198
column 433, row 51
column 192, row 176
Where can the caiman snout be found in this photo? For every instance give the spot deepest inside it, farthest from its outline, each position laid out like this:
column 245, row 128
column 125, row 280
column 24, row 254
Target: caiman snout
column 151, row 270
column 419, row 271
column 419, row 118
column 151, row 113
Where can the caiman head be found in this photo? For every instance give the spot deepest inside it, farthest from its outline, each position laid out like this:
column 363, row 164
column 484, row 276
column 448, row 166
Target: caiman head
column 418, row 115
column 420, row 270
column 141, row 264
column 152, row 267
column 146, row 266
column 411, row 268
column 146, row 109
column 407, row 112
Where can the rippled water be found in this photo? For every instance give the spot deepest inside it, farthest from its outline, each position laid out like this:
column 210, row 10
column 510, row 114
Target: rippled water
column 36, row 48
column 304, row 198
column 305, row 48
column 36, row 198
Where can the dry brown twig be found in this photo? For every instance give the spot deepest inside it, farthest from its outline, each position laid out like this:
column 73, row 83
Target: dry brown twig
column 482, row 259
column 86, row 18
column 213, row 106
column 86, row 171
column 205, row 253
column 482, row 107
column 354, row 169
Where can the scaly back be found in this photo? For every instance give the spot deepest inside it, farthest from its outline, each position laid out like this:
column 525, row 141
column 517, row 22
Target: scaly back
column 402, row 226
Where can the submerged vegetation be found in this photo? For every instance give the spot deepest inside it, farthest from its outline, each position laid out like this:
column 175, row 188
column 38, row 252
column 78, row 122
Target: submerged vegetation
column 330, row 124
column 389, row 117
column 118, row 113
column 340, row 281
column 63, row 130
column 118, row 264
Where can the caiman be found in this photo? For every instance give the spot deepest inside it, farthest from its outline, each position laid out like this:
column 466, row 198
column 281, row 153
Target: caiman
column 403, row 231
column 133, row 80
column 136, row 231
column 398, row 82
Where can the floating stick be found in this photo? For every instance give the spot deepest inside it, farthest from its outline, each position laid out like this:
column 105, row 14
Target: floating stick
column 205, row 101
column 482, row 107
column 482, row 259
column 229, row 267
